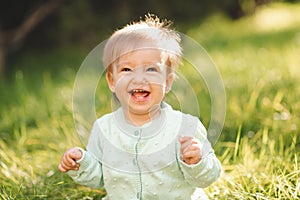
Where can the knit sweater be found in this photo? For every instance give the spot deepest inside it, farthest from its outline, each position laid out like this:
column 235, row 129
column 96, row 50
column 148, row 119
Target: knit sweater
column 144, row 162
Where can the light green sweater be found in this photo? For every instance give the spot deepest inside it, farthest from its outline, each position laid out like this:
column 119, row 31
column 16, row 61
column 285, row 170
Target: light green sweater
column 144, row 162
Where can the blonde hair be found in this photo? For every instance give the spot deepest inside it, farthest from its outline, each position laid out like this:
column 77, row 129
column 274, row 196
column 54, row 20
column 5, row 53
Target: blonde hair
column 149, row 33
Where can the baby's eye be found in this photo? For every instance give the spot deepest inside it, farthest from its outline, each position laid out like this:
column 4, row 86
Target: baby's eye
column 125, row 69
column 152, row 68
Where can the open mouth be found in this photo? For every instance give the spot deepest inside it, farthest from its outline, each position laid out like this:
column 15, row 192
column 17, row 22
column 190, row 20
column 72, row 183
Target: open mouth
column 139, row 94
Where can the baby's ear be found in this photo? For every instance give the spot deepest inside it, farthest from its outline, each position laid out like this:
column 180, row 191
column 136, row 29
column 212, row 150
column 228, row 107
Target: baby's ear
column 169, row 82
column 110, row 81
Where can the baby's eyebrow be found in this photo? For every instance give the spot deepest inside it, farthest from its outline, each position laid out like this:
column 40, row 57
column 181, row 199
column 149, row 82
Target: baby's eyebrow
column 118, row 65
column 124, row 63
column 140, row 65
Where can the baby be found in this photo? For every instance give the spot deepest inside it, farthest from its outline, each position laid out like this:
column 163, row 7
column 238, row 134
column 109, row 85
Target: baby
column 144, row 149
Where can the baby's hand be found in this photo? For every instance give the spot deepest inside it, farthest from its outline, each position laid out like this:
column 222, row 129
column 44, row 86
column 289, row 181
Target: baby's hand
column 68, row 161
column 190, row 149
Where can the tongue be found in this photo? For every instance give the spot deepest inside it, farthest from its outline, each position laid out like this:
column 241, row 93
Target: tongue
column 140, row 94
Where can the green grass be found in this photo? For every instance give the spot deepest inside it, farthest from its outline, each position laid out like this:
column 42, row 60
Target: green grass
column 259, row 146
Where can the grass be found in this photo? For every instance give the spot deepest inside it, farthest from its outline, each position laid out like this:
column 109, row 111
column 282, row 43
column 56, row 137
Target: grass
column 259, row 147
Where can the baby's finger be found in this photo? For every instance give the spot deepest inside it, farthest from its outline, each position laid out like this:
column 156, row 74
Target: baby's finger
column 186, row 144
column 183, row 139
column 67, row 163
column 185, row 147
column 65, row 166
column 70, row 160
column 190, row 154
column 61, row 168
column 194, row 146
column 191, row 157
column 76, row 154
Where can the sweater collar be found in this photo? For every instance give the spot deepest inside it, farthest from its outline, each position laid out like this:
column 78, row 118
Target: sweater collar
column 146, row 131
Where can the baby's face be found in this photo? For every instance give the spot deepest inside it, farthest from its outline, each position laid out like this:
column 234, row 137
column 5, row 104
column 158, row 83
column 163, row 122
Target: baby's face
column 140, row 80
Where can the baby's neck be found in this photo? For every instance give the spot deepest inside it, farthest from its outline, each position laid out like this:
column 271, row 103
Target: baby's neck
column 142, row 119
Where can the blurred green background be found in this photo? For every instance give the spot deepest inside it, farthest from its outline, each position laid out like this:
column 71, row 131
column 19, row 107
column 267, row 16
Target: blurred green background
column 43, row 26
column 255, row 45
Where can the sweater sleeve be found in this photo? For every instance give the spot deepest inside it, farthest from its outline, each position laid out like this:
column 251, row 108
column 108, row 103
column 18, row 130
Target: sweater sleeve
column 208, row 169
column 90, row 170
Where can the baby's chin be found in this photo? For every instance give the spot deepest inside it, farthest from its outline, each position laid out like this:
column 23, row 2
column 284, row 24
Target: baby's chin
column 142, row 108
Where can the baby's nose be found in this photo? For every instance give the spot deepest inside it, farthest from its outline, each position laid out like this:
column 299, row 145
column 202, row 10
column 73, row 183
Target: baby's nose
column 139, row 75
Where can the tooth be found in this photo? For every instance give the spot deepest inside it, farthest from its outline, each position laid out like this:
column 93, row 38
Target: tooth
column 137, row 90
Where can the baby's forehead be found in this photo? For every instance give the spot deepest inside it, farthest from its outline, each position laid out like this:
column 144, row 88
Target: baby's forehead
column 145, row 55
